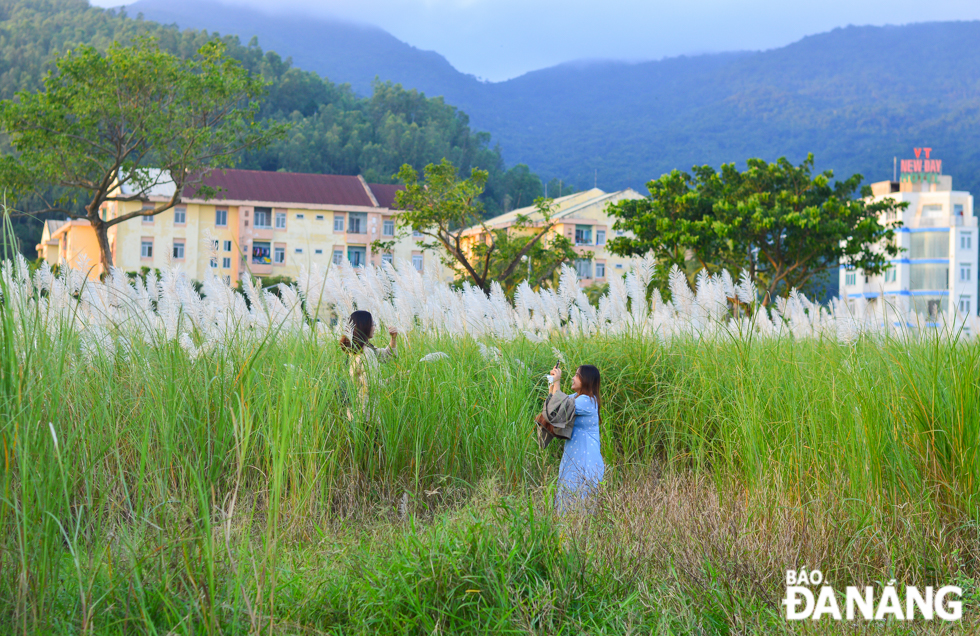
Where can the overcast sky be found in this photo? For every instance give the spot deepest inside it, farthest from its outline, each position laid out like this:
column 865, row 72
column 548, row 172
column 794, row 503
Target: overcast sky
column 500, row 39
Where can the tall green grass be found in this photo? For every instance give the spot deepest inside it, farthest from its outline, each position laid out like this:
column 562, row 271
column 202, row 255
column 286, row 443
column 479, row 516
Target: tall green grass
column 231, row 494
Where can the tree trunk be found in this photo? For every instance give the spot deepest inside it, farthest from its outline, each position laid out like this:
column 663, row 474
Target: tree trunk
column 102, row 235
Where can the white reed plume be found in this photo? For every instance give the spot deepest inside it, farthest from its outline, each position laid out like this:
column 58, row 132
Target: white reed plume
column 114, row 314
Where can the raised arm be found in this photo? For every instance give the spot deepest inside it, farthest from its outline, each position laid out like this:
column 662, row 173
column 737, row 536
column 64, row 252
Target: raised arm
column 556, row 385
column 391, row 350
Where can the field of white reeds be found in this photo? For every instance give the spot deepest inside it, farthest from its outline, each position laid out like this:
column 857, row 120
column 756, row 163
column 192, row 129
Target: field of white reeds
column 110, row 315
column 181, row 461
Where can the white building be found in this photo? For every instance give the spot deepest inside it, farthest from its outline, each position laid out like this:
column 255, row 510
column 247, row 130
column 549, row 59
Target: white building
column 937, row 270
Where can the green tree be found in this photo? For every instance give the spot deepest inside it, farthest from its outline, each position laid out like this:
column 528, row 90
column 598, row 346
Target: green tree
column 778, row 221
column 522, row 186
column 443, row 207
column 522, row 252
column 557, row 188
column 335, row 132
column 136, row 116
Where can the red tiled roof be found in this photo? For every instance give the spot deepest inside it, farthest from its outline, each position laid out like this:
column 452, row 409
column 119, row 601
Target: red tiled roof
column 385, row 193
column 287, row 187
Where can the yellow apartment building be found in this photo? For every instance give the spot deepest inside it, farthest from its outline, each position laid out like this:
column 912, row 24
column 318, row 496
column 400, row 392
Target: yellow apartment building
column 266, row 223
column 583, row 219
column 70, row 242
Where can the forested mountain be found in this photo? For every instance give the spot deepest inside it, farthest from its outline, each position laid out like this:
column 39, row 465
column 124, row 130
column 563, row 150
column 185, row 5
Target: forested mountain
column 355, row 52
column 334, row 130
column 855, row 96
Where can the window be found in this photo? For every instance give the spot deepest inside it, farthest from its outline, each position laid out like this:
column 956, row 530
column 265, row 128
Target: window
column 928, row 276
column 583, row 266
column 932, row 211
column 357, row 223
column 213, row 262
column 226, row 263
column 583, row 235
column 619, row 232
column 261, row 253
column 387, row 258
column 417, row 262
column 227, row 246
column 280, row 220
column 318, row 251
column 357, row 256
column 416, row 233
column 180, row 216
column 227, row 280
column 957, row 209
column 965, row 272
column 600, row 270
column 338, row 222
column 850, row 278
column 263, row 217
column 338, row 256
column 965, row 305
column 966, row 241
column 221, row 217
column 148, row 218
column 600, row 237
column 178, row 250
column 891, row 274
column 388, row 227
column 146, row 248
column 619, row 266
column 319, row 217
column 298, row 250
column 929, row 245
column 301, row 216
column 279, row 255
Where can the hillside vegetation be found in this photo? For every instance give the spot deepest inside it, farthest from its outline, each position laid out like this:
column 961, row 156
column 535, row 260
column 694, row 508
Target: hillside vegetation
column 855, row 97
column 334, row 130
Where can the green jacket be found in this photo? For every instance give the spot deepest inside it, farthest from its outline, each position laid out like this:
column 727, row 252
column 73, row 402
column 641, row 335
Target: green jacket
column 559, row 411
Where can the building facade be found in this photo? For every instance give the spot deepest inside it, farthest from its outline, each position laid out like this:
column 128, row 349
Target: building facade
column 583, row 219
column 263, row 223
column 937, row 271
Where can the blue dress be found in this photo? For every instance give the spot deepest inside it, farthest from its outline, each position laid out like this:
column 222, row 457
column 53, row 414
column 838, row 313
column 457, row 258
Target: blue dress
column 581, row 466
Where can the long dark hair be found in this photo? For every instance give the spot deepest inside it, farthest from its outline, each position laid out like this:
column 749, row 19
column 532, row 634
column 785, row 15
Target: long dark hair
column 361, row 323
column 588, row 376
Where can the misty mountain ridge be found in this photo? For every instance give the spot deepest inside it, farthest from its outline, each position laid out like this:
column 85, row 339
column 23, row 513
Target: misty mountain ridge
column 854, row 96
column 342, row 51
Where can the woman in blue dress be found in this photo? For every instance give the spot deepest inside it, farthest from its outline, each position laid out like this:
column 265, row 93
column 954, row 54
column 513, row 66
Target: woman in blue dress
column 581, row 467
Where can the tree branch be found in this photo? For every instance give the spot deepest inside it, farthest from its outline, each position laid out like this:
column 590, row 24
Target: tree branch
column 174, row 200
column 527, row 248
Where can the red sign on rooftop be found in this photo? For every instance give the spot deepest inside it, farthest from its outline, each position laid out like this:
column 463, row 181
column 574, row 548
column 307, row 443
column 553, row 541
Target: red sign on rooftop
column 922, row 169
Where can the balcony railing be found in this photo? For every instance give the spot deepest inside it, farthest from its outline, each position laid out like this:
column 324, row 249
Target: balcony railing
column 938, row 221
